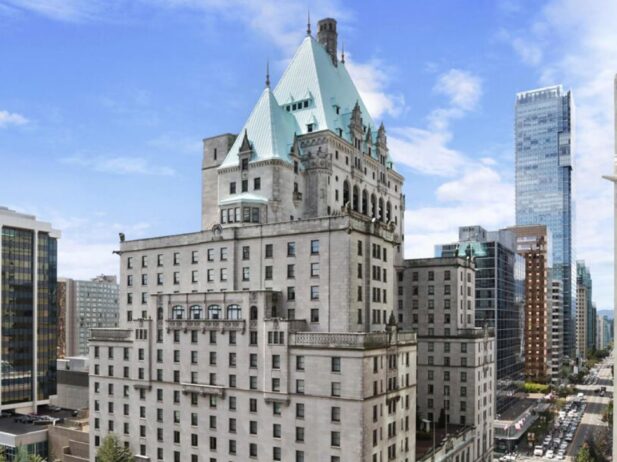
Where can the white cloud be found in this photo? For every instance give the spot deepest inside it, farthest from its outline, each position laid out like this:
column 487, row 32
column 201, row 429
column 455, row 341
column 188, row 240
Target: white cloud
column 427, row 150
column 118, row 165
column 62, row 10
column 371, row 79
column 578, row 43
column 462, row 87
column 479, row 197
column 11, row 118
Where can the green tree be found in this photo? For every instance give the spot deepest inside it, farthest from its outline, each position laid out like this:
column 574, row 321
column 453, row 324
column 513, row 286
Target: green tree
column 23, row 456
column 584, row 455
column 112, row 451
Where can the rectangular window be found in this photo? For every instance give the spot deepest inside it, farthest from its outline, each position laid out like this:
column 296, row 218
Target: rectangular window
column 315, row 315
column 291, row 249
column 314, row 292
column 315, row 247
column 257, row 184
column 314, row 270
column 269, row 250
column 232, row 187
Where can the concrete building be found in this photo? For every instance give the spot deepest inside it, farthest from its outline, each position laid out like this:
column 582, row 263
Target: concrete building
column 556, row 329
column 84, row 305
column 544, row 145
column 270, row 334
column 499, row 298
column 533, row 243
column 28, row 267
column 584, row 310
column 456, row 360
column 72, row 383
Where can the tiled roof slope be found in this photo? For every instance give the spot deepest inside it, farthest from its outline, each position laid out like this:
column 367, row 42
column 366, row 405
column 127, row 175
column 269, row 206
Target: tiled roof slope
column 311, row 76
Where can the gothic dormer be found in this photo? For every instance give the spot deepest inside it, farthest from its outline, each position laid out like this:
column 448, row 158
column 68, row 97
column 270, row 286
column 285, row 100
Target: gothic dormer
column 382, row 142
column 355, row 126
column 245, row 151
column 369, row 141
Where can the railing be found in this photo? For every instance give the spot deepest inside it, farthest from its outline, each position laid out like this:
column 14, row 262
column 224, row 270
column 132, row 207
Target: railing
column 98, row 334
column 351, row 340
column 477, row 332
column 207, row 324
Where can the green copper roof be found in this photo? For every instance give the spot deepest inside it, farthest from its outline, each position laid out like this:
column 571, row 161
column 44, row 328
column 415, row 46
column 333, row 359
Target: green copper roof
column 317, row 87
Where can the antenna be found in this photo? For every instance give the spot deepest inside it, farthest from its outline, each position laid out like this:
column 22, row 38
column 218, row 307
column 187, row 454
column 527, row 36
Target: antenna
column 268, row 73
column 308, row 22
column 343, row 51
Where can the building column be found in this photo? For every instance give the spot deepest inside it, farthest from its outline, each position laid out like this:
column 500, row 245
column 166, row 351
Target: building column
column 35, row 318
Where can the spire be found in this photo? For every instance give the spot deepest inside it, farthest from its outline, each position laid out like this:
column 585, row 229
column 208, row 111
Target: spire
column 308, row 22
column 268, row 73
column 343, row 52
column 246, row 144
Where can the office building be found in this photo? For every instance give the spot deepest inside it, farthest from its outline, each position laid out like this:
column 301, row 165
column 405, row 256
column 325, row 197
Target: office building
column 87, row 304
column 584, row 310
column 533, row 243
column 456, row 359
column 499, row 298
column 28, row 272
column 270, row 334
column 544, row 182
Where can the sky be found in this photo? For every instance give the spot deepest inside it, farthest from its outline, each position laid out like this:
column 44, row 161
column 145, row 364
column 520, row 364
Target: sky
column 103, row 106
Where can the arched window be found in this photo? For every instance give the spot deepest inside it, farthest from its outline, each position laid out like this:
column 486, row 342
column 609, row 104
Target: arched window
column 214, row 312
column 159, row 313
column 388, row 211
column 177, row 312
column 356, row 199
column 373, row 206
column 234, row 312
column 253, row 314
column 364, row 202
column 345, row 192
column 380, row 209
column 196, row 312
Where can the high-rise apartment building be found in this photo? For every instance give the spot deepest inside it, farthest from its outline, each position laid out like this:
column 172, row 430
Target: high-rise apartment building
column 584, row 310
column 270, row 334
column 500, row 278
column 28, row 272
column 84, row 305
column 456, row 360
column 556, row 328
column 533, row 243
column 544, row 182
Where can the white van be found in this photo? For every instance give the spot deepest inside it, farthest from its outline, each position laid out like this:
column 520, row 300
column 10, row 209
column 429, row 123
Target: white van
column 538, row 451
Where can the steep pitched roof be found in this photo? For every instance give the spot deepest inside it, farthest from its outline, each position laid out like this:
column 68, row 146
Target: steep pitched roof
column 310, row 77
column 269, row 130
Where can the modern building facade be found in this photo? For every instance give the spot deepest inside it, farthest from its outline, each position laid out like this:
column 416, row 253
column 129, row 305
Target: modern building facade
column 270, row 334
column 28, row 278
column 556, row 329
column 499, row 298
column 544, row 144
column 84, row 305
column 456, row 359
column 584, row 310
column 533, row 243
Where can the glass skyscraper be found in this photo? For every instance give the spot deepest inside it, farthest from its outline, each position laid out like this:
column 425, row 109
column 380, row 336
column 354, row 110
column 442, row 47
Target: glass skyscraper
column 544, row 182
column 28, row 284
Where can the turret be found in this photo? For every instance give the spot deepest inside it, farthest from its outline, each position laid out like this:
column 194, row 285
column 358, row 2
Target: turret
column 327, row 36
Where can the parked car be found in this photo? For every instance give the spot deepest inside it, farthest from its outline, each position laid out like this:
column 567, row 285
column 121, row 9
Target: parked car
column 538, row 451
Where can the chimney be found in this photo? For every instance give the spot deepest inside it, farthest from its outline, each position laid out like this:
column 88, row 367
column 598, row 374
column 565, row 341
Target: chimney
column 327, row 36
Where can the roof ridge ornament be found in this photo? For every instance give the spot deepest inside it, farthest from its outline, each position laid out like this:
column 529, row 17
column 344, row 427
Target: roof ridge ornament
column 343, row 51
column 308, row 22
column 268, row 73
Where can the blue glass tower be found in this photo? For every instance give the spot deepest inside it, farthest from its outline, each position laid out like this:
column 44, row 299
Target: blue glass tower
column 544, row 183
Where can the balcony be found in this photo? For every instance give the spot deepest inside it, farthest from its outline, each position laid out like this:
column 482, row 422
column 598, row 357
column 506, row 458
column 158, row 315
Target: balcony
column 204, row 325
column 203, row 389
column 361, row 341
column 110, row 335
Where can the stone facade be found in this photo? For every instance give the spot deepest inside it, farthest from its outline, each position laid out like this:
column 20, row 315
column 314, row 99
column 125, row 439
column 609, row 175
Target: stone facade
column 270, row 334
column 456, row 360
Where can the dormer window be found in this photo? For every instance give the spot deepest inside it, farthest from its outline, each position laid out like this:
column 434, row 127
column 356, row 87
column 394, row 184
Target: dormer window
column 244, row 164
column 309, row 127
column 337, row 109
column 340, row 132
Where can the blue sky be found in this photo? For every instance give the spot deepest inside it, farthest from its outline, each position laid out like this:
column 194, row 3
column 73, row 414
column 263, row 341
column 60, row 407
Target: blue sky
column 103, row 106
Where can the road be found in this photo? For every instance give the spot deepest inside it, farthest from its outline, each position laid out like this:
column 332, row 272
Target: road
column 596, row 405
column 592, row 418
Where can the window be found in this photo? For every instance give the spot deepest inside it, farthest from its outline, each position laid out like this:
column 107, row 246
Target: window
column 269, row 250
column 177, row 312
column 315, row 270
column 214, row 312
column 314, row 314
column 314, row 292
column 291, row 249
column 257, row 184
column 291, row 293
column 291, row 271
column 195, row 312
column 299, row 363
column 336, row 364
column 335, row 388
column 315, row 247
column 335, row 439
column 268, row 275
column 335, row 414
column 245, row 184
column 232, row 187
column 234, row 312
